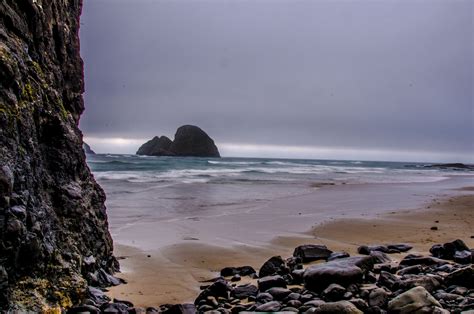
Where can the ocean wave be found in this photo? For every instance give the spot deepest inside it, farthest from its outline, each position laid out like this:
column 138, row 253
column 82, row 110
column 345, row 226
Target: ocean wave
column 232, row 163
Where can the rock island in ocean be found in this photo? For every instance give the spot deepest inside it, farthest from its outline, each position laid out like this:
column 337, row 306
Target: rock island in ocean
column 189, row 140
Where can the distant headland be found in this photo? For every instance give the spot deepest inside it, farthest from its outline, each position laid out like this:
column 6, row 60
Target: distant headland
column 189, row 141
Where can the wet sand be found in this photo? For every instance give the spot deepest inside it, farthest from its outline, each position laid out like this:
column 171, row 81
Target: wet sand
column 159, row 272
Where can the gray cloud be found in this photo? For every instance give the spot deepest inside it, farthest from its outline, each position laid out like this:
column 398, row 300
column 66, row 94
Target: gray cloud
column 360, row 74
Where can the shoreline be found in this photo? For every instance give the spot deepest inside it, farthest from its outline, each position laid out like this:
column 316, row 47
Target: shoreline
column 172, row 274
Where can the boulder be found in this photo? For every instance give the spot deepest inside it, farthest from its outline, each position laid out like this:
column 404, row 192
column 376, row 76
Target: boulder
column 343, row 271
column 340, row 307
column 271, row 267
column 272, row 306
column 415, row 300
column 412, row 259
column 190, row 140
column 334, row 292
column 463, row 257
column 278, row 293
column 312, row 252
column 463, row 277
column 268, row 282
column 245, row 291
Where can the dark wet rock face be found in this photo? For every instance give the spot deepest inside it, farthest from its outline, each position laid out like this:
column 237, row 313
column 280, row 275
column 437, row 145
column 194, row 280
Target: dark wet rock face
column 189, row 141
column 52, row 212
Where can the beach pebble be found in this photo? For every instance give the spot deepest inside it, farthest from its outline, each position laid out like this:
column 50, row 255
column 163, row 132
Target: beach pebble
column 311, row 252
column 434, row 228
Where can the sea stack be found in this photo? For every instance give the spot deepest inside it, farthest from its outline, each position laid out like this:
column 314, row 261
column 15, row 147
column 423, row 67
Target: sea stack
column 189, row 141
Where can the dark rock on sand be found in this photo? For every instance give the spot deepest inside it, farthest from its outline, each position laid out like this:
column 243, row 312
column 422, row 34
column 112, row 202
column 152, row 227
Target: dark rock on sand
column 157, row 146
column 312, row 252
column 245, row 291
column 41, row 159
column 271, row 267
column 449, row 249
column 272, row 306
column 186, row 308
column 400, row 247
column 242, row 271
column 413, row 259
column 264, row 297
column 87, row 149
column 344, row 271
column 84, row 309
column 378, row 297
column 337, row 255
column 278, row 293
column 115, row 308
column 220, row 288
column 340, row 307
column 334, row 292
column 389, row 281
column 415, row 300
column 463, row 277
column 463, row 257
column 268, row 282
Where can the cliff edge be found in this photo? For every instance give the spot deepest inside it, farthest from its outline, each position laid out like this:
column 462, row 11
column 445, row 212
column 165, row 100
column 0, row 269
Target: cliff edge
column 54, row 237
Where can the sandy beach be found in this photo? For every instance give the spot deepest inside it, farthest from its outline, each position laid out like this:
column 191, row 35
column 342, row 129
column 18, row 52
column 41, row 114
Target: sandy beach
column 159, row 271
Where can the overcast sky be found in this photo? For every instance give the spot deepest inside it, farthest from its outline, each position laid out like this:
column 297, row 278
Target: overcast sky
column 283, row 78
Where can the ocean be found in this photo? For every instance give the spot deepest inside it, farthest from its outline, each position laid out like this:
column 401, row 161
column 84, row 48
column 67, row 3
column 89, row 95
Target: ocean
column 188, row 170
column 142, row 188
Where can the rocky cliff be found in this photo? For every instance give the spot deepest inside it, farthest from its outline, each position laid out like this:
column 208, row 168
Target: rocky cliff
column 54, row 235
column 189, row 140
